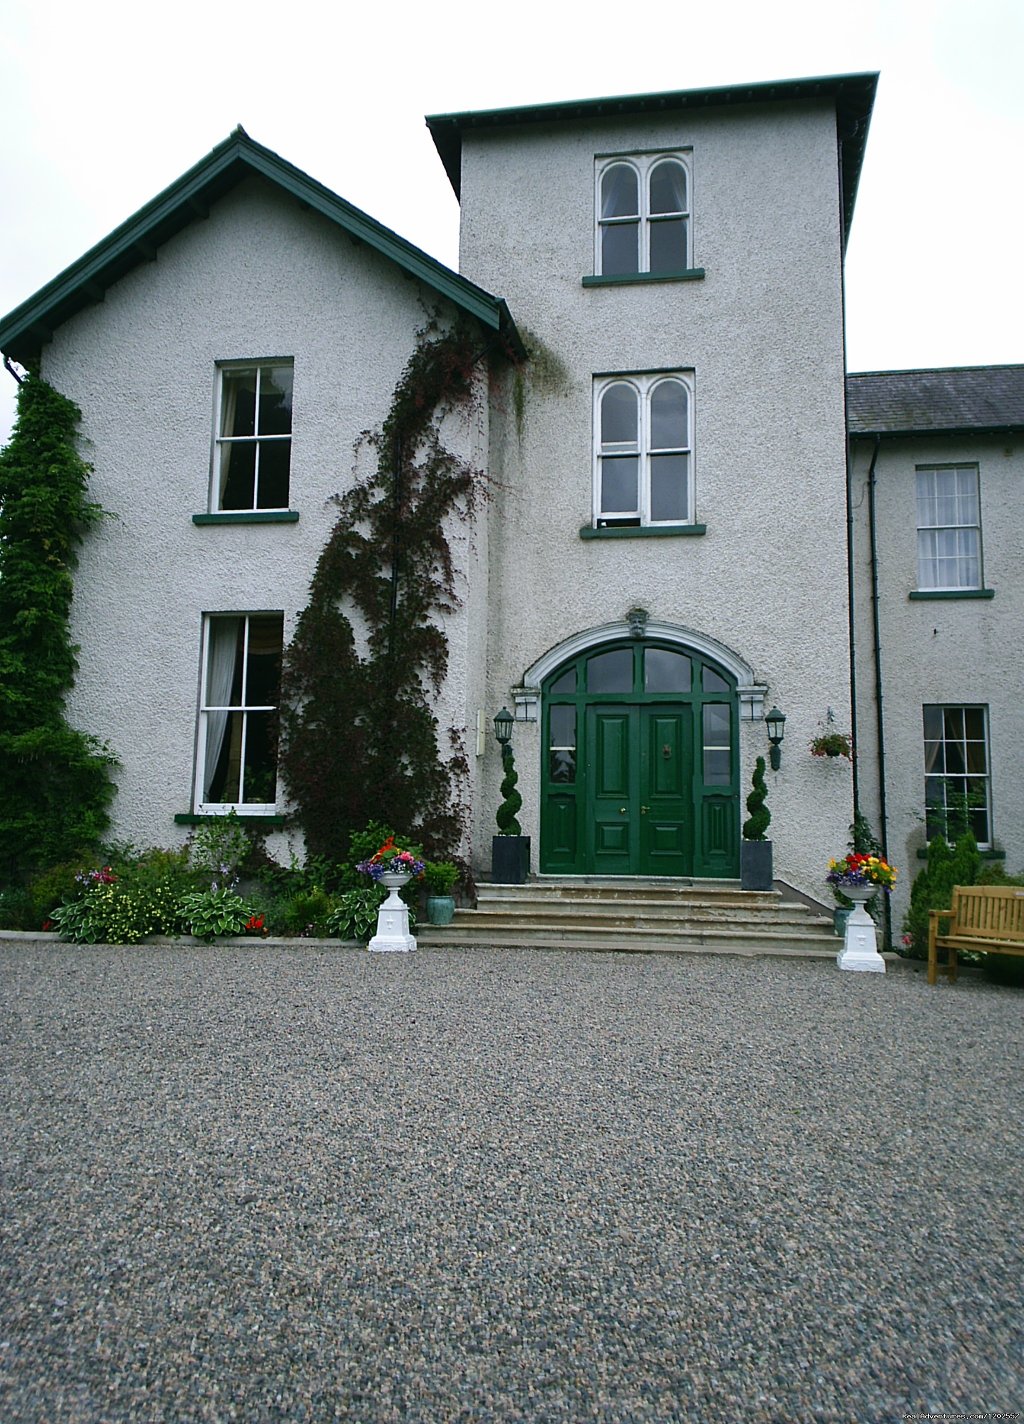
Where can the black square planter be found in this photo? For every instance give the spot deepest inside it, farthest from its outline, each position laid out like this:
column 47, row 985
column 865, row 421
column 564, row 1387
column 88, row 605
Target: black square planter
column 510, row 859
column 756, row 865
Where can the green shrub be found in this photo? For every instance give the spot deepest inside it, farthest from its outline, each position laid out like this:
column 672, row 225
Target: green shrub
column 207, row 914
column 755, row 827
column 17, row 910
column 933, row 887
column 355, row 916
column 440, row 876
column 305, row 913
column 56, row 780
column 220, row 847
column 48, row 889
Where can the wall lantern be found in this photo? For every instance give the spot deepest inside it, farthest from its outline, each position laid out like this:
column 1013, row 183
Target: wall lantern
column 775, row 721
column 503, row 727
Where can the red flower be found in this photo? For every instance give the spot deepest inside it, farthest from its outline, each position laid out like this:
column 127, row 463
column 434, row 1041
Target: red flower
column 47, row 925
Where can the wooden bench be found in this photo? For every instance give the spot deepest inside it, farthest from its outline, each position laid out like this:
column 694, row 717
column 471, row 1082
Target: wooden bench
column 985, row 918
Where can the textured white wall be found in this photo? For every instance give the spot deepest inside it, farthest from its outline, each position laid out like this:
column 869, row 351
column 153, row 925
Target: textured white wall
column 260, row 277
column 953, row 651
column 763, row 334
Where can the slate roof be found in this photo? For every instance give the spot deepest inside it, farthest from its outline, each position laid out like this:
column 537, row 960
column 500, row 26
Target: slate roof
column 24, row 330
column 951, row 400
column 852, row 94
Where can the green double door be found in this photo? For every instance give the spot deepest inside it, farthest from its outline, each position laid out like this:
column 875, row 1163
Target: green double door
column 640, row 765
column 638, row 814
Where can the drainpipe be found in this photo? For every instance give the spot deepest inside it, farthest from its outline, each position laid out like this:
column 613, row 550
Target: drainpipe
column 883, row 833
column 850, row 600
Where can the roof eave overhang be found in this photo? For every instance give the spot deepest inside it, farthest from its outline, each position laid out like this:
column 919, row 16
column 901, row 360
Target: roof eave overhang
column 852, row 94
column 919, row 432
column 24, row 331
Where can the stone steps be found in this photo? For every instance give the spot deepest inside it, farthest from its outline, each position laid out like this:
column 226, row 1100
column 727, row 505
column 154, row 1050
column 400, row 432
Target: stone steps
column 640, row 915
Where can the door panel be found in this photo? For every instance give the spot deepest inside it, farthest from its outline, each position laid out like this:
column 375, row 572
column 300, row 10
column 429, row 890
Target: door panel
column 612, row 799
column 666, row 776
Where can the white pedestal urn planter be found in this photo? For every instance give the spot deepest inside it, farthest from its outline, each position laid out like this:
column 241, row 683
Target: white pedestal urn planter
column 860, row 944
column 393, row 918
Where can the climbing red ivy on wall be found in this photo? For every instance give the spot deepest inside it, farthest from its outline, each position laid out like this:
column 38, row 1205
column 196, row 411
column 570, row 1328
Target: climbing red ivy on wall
column 360, row 741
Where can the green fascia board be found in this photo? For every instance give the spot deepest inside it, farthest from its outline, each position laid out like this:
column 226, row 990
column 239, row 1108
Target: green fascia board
column 852, row 94
column 24, row 330
column 925, row 432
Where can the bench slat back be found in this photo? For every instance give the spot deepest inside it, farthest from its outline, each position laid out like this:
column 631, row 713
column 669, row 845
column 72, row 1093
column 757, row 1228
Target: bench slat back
column 988, row 911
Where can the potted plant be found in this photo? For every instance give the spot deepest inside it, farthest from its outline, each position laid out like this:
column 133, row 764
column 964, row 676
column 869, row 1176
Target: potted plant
column 393, row 868
column 832, row 744
column 756, row 848
column 440, row 877
column 859, row 875
column 510, row 849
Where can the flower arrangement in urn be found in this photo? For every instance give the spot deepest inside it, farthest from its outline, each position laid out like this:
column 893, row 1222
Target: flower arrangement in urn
column 389, row 860
column 855, row 871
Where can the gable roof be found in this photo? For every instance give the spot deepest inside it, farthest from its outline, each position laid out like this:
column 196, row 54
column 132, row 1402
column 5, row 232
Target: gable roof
column 24, row 330
column 852, row 94
column 951, row 400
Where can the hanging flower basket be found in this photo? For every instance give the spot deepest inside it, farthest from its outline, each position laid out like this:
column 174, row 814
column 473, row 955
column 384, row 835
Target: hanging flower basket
column 833, row 744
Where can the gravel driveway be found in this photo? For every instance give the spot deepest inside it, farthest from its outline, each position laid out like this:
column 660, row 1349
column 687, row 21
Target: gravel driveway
column 311, row 1184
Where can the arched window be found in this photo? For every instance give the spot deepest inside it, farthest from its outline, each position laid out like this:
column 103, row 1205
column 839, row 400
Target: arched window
column 643, row 451
column 643, row 216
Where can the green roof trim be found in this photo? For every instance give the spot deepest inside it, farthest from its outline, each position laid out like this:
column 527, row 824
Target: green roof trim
column 852, row 94
column 24, row 330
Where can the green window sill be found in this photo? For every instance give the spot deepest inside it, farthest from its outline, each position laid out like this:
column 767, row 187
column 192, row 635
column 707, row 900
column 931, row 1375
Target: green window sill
column 927, row 593
column 190, row 818
column 644, row 531
column 922, row 854
column 248, row 516
column 626, row 279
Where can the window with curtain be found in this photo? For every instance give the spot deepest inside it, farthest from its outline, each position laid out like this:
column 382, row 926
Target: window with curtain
column 948, row 528
column 643, row 450
column 238, row 733
column 956, row 772
column 643, row 215
column 253, row 444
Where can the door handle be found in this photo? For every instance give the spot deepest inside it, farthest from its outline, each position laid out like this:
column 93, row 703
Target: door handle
column 644, row 810
column 622, row 810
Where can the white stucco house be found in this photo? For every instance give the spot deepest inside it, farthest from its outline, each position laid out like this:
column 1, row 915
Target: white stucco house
column 936, row 475
column 666, row 553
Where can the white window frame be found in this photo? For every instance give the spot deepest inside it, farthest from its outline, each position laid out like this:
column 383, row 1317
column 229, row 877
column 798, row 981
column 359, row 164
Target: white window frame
column 967, row 531
column 642, row 164
column 221, row 808
column 220, row 441
column 644, row 384
column 970, row 779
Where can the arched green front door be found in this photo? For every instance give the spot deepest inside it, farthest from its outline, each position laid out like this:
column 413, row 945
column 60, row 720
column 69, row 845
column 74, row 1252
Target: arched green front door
column 640, row 773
